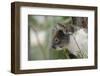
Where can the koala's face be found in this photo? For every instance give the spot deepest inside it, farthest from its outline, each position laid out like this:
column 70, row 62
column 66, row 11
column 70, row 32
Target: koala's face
column 61, row 36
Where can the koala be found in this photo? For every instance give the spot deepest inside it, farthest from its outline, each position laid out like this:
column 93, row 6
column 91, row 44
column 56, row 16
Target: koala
column 70, row 37
column 61, row 35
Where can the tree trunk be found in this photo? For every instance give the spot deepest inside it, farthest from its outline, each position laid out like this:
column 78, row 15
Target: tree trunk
column 80, row 21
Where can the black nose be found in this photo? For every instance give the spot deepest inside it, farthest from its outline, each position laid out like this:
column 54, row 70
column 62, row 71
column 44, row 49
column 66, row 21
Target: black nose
column 53, row 47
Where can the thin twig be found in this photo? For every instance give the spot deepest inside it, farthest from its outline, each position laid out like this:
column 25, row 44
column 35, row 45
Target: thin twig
column 77, row 45
column 38, row 40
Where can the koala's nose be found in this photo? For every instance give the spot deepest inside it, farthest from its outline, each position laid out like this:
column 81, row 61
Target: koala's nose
column 53, row 46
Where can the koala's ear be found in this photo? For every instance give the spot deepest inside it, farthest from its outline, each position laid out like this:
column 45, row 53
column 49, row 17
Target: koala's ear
column 60, row 26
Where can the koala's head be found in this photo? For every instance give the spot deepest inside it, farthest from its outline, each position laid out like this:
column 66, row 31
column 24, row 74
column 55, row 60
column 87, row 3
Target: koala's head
column 61, row 35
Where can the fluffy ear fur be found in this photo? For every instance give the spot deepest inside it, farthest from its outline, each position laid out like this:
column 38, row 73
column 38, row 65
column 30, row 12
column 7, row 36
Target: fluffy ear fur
column 69, row 29
column 60, row 26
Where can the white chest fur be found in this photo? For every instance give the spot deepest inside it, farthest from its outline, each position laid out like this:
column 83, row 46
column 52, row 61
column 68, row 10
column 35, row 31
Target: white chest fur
column 78, row 44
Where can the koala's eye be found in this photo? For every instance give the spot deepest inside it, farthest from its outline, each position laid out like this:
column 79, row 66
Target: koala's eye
column 66, row 30
column 56, row 40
